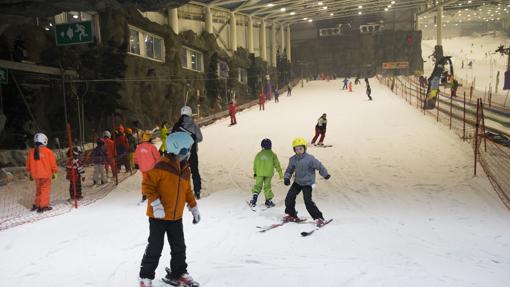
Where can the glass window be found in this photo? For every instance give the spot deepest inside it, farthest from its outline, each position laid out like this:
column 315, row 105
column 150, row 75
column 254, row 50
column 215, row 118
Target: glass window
column 184, row 58
column 158, row 49
column 149, row 46
column 191, row 60
column 194, row 60
column 134, row 44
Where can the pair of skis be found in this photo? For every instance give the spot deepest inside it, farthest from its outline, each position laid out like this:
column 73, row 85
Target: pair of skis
column 263, row 229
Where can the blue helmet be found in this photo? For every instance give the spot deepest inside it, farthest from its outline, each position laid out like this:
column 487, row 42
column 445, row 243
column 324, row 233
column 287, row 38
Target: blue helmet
column 266, row 144
column 179, row 143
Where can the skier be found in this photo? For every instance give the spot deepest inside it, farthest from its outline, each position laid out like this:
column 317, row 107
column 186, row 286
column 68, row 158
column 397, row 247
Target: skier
column 163, row 133
column 99, row 158
column 289, row 89
column 345, row 81
column 453, row 89
column 41, row 167
column 110, row 153
column 122, row 149
column 186, row 124
column 232, row 110
column 266, row 161
column 276, row 95
column 146, row 156
column 303, row 166
column 262, row 100
column 75, row 171
column 132, row 147
column 357, row 81
column 320, row 129
column 369, row 90
column 168, row 188
column 350, row 87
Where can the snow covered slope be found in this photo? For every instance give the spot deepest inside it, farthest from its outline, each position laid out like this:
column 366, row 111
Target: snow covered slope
column 406, row 209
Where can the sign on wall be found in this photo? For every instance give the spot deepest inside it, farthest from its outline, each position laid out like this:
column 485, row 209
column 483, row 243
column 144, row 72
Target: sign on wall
column 74, row 33
column 395, row 65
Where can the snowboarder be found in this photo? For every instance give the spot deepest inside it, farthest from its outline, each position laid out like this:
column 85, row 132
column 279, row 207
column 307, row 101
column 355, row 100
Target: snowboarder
column 276, row 96
column 262, row 100
column 266, row 161
column 41, row 167
column 232, row 110
column 345, row 81
column 168, row 188
column 320, row 129
column 110, row 153
column 303, row 166
column 369, row 90
column 146, row 156
column 186, row 124
column 289, row 89
column 99, row 159
column 76, row 172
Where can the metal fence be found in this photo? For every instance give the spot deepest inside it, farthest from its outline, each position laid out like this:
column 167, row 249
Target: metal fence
column 484, row 127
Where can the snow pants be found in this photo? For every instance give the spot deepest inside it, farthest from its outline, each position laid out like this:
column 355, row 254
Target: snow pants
column 265, row 183
column 42, row 192
column 233, row 119
column 99, row 173
column 110, row 163
column 290, row 201
column 195, row 173
column 175, row 234
column 318, row 132
column 78, row 188
column 261, row 107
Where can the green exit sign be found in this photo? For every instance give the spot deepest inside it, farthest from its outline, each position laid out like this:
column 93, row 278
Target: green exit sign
column 3, row 76
column 73, row 33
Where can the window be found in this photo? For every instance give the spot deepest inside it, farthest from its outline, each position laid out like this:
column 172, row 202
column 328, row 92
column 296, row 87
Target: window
column 146, row 45
column 243, row 76
column 192, row 60
column 222, row 70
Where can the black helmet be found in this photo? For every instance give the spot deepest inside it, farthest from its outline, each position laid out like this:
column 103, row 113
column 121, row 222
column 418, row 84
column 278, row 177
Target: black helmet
column 266, row 144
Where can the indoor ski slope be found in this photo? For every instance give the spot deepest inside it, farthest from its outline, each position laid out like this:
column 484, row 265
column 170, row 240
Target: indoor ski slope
column 407, row 210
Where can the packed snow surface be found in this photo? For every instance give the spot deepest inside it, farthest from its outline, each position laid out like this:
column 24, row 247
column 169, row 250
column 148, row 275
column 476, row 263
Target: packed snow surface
column 407, row 210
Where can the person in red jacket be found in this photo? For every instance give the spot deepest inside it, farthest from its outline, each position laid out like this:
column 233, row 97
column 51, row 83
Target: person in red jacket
column 41, row 167
column 232, row 112
column 109, row 147
column 122, row 149
column 262, row 100
column 146, row 156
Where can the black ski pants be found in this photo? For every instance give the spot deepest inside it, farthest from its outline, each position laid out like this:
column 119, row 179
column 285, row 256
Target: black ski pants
column 78, row 187
column 195, row 174
column 175, row 235
column 290, row 201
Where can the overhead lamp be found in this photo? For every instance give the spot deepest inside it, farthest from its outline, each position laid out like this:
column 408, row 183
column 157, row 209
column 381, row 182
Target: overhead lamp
column 270, row 5
column 359, row 7
column 283, row 9
column 292, row 13
column 320, row 3
column 389, row 6
column 75, row 16
column 331, row 14
column 392, row 2
column 305, row 18
column 309, row 20
column 359, row 13
column 47, row 28
column 385, row 9
column 325, row 8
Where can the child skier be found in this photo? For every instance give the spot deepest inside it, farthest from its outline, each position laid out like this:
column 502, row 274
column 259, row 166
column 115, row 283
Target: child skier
column 350, row 87
column 276, row 96
column 320, row 130
column 303, row 166
column 41, row 167
column 168, row 188
column 345, row 81
column 146, row 156
column 262, row 100
column 110, row 153
column 75, row 171
column 99, row 158
column 232, row 113
column 266, row 161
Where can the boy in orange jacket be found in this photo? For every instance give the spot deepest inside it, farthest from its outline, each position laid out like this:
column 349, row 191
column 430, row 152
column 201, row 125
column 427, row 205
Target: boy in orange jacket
column 41, row 167
column 168, row 188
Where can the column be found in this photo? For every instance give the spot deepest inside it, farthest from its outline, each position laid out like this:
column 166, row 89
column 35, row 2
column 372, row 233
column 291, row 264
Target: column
column 233, row 31
column 288, row 44
column 282, row 38
column 439, row 22
column 250, row 35
column 262, row 42
column 208, row 20
column 273, row 44
column 173, row 17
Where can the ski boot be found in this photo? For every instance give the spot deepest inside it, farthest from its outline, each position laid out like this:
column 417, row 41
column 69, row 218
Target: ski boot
column 43, row 209
column 290, row 218
column 184, row 281
column 34, row 208
column 253, row 201
column 269, row 203
column 319, row 222
column 145, row 282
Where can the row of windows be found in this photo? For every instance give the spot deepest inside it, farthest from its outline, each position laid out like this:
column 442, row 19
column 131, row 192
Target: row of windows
column 192, row 60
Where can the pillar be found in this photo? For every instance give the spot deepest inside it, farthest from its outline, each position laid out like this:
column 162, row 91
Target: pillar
column 250, row 35
column 233, row 31
column 208, row 20
column 273, row 44
column 263, row 42
column 173, row 17
column 439, row 30
column 288, row 44
column 282, row 38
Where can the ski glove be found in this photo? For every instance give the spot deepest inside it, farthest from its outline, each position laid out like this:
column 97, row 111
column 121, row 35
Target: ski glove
column 158, row 209
column 327, row 177
column 196, row 214
column 286, row 182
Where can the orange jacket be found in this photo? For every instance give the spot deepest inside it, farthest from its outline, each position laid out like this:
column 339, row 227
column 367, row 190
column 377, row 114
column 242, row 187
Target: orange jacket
column 45, row 167
column 109, row 147
column 169, row 181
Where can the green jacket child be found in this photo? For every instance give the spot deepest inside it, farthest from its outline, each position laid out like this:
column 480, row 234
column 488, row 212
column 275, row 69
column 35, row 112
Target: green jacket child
column 264, row 165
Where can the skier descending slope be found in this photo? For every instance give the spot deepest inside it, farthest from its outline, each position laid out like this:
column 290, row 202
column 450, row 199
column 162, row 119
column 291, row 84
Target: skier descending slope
column 167, row 187
column 264, row 165
column 303, row 165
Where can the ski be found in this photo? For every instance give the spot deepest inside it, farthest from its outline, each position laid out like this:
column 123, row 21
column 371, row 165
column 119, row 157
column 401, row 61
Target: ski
column 275, row 225
column 308, row 233
column 253, row 208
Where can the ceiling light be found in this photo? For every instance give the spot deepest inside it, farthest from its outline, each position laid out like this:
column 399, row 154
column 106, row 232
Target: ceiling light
column 320, row 3
column 47, row 28
column 359, row 7
column 331, row 14
column 325, row 8
column 292, row 13
column 305, row 18
column 75, row 16
column 283, row 9
column 392, row 2
column 389, row 6
column 359, row 13
column 385, row 9
column 270, row 5
column 309, row 20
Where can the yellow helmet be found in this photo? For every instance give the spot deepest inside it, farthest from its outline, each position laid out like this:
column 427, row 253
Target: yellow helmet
column 298, row 142
column 146, row 136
